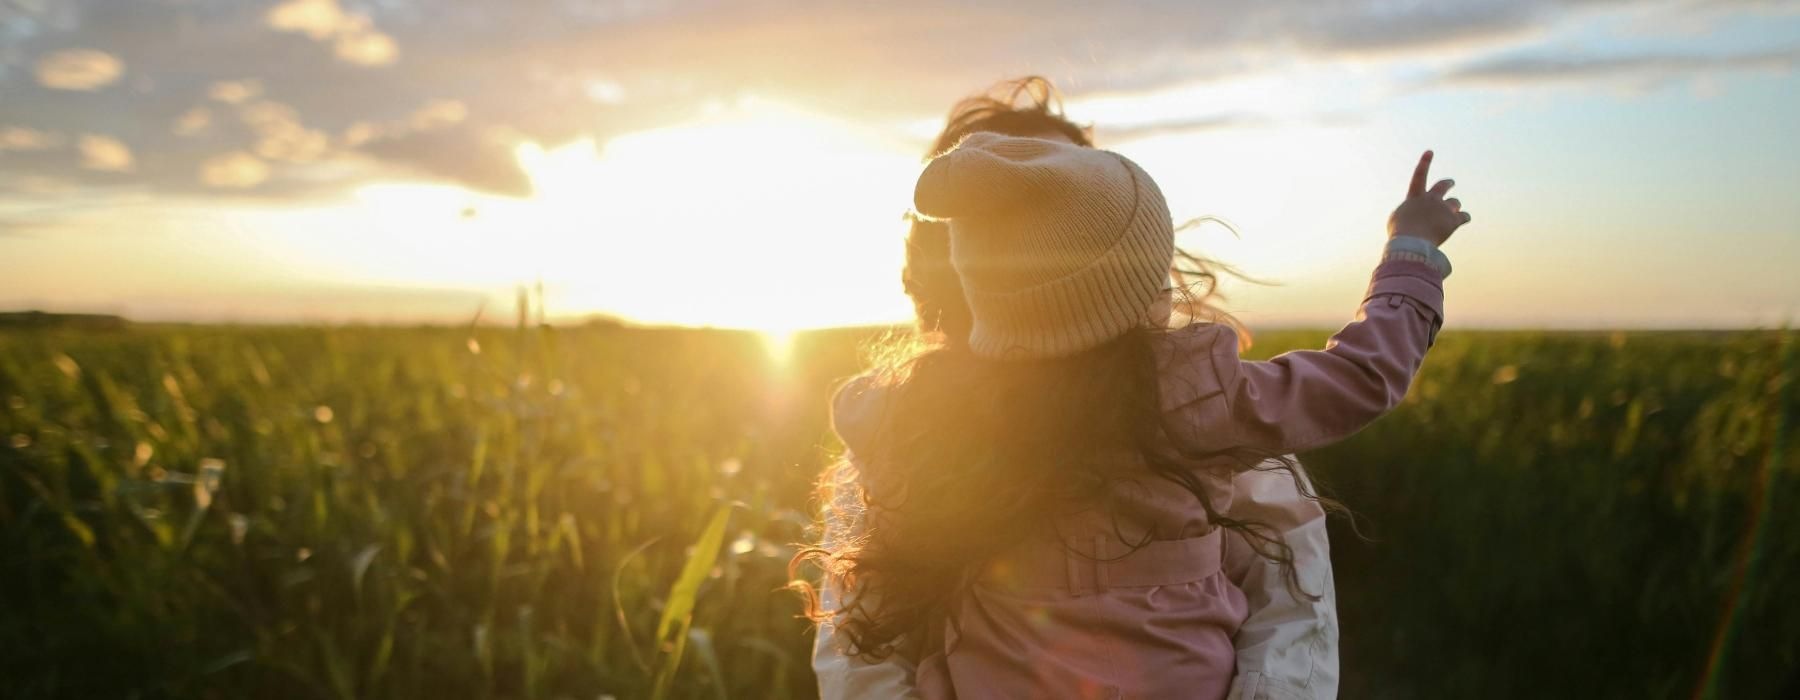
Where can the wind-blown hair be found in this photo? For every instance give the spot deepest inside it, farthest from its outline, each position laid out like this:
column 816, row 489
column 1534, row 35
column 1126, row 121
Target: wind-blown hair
column 972, row 456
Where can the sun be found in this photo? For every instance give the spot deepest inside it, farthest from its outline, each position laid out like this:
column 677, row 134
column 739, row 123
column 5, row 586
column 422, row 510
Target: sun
column 757, row 216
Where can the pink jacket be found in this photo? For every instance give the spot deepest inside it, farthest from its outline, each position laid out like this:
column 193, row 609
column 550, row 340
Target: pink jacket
column 1286, row 648
column 1161, row 622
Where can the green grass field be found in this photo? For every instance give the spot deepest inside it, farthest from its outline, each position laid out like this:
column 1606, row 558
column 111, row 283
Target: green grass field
column 535, row 513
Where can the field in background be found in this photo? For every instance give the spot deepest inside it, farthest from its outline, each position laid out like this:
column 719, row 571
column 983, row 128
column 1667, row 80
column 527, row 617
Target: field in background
column 296, row 512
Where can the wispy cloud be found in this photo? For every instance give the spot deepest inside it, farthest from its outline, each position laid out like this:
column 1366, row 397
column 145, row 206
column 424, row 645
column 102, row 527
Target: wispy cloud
column 104, row 154
column 438, row 114
column 481, row 158
column 353, row 35
column 18, row 138
column 233, row 92
column 1217, row 122
column 234, row 170
column 192, row 122
column 1540, row 69
column 78, row 69
column 280, row 135
column 324, row 95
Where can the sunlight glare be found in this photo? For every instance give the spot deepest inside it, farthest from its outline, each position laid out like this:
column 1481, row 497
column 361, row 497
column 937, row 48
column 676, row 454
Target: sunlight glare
column 756, row 216
column 761, row 216
column 779, row 344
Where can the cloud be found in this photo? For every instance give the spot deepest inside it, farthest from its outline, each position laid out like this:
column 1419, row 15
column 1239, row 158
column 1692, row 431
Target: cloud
column 367, row 47
column 1214, row 122
column 78, row 69
column 437, row 114
column 1376, row 29
column 280, row 135
column 1517, row 71
column 294, row 144
column 288, row 82
column 1766, row 7
column 318, row 19
column 603, row 91
column 18, row 138
column 233, row 92
column 482, row 159
column 104, row 154
column 37, row 185
column 234, row 170
column 353, row 35
column 192, row 122
column 359, row 133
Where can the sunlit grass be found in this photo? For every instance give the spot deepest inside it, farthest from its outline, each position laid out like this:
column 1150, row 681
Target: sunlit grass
column 536, row 512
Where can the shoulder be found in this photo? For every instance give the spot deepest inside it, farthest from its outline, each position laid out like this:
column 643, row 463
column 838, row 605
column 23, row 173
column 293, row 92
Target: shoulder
column 857, row 407
column 1195, row 362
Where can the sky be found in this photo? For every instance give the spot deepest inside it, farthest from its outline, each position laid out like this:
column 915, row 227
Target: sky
column 748, row 164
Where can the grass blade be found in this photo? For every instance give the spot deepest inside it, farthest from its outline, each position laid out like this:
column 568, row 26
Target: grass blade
column 678, row 611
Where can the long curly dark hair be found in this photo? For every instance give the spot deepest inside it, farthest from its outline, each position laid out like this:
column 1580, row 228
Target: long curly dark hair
column 973, row 456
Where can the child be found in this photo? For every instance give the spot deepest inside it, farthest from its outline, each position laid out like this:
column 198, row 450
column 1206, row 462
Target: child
column 1043, row 507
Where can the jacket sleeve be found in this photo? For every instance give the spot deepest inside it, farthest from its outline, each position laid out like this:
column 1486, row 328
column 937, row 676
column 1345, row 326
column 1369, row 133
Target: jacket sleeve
column 1287, row 649
column 845, row 677
column 1306, row 399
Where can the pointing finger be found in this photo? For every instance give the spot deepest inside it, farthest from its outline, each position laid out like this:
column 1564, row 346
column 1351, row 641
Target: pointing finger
column 1417, row 187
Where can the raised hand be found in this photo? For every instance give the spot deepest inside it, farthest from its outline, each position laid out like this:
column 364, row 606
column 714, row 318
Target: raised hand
column 1426, row 213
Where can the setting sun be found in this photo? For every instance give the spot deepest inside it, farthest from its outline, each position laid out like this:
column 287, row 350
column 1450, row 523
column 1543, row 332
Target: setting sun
column 753, row 217
column 756, row 215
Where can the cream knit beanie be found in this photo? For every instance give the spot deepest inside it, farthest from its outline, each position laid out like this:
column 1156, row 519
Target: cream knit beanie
column 1060, row 248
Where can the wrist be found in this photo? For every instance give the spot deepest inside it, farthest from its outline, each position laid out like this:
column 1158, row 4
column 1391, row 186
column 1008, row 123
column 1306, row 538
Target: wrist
column 1405, row 247
column 1410, row 236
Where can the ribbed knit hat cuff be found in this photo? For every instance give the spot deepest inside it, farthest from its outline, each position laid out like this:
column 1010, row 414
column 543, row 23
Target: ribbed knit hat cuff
column 1071, row 314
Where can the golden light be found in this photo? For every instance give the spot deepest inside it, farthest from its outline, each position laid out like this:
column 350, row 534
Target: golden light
column 758, row 216
column 778, row 343
column 766, row 217
column 763, row 216
column 755, row 215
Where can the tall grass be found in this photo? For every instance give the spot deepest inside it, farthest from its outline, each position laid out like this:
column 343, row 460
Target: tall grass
column 547, row 513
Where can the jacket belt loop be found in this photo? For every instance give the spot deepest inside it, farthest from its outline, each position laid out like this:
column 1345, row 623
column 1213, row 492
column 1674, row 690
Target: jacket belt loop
column 1100, row 562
